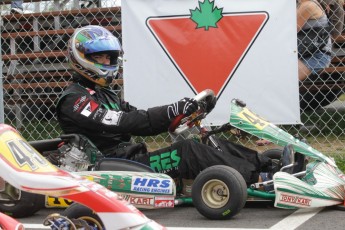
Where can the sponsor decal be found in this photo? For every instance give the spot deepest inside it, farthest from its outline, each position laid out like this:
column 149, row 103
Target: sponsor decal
column 165, row 201
column 99, row 114
column 298, row 200
column 79, row 103
column 141, row 200
column 151, row 185
column 56, row 202
column 138, row 200
column 89, row 108
column 112, row 117
column 165, row 161
column 204, row 33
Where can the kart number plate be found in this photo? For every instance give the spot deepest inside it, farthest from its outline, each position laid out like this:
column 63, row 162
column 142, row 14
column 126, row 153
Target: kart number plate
column 56, row 202
column 252, row 118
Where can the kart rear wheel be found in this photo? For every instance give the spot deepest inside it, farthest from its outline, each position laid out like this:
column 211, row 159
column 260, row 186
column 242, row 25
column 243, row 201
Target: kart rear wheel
column 78, row 211
column 21, row 204
column 219, row 192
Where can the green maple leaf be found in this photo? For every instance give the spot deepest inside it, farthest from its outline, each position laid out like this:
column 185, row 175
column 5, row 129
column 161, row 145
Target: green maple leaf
column 207, row 16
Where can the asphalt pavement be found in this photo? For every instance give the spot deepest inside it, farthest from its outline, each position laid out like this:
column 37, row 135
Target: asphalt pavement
column 253, row 216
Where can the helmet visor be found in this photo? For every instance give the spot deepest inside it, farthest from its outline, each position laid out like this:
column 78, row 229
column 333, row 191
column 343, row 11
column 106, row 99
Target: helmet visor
column 100, row 45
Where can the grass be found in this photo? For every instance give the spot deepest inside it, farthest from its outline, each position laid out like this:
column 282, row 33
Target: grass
column 342, row 97
column 37, row 130
column 340, row 161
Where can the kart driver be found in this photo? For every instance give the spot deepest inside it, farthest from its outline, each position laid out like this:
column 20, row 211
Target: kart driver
column 90, row 108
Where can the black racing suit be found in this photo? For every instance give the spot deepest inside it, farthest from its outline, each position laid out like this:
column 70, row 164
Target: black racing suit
column 108, row 121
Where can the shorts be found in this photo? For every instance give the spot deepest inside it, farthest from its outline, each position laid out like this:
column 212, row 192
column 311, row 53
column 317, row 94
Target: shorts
column 317, row 61
column 267, row 177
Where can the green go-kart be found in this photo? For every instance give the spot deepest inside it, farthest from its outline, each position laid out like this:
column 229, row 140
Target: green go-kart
column 218, row 192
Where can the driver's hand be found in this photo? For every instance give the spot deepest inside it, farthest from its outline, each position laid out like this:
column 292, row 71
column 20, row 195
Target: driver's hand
column 186, row 106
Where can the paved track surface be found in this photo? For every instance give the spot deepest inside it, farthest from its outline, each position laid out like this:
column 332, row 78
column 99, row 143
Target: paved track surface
column 253, row 216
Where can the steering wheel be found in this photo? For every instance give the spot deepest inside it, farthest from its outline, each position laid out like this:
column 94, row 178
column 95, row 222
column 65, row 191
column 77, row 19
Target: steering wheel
column 182, row 122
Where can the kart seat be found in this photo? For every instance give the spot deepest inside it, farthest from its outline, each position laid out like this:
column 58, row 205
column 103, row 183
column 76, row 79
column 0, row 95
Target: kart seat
column 119, row 164
column 292, row 161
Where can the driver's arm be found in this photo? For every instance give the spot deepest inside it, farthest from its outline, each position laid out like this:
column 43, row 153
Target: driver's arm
column 128, row 119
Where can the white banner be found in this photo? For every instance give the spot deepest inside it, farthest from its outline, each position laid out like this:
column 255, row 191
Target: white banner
column 240, row 49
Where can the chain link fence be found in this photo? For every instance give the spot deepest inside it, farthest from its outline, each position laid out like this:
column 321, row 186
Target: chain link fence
column 35, row 72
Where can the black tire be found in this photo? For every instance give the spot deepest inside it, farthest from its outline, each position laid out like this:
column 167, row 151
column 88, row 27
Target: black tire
column 207, row 187
column 340, row 207
column 79, row 211
column 27, row 205
column 273, row 153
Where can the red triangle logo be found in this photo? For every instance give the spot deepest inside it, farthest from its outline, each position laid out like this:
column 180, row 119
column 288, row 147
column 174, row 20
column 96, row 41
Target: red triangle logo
column 207, row 59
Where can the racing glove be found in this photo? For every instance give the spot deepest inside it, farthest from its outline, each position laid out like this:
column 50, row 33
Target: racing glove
column 186, row 106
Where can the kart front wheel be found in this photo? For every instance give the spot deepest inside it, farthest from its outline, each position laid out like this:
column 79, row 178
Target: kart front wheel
column 78, row 211
column 18, row 204
column 219, row 192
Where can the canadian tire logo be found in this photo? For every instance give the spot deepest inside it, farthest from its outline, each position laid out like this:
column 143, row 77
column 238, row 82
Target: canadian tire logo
column 207, row 45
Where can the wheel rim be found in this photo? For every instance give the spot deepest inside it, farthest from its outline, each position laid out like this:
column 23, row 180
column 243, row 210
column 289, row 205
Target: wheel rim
column 92, row 222
column 215, row 193
column 10, row 193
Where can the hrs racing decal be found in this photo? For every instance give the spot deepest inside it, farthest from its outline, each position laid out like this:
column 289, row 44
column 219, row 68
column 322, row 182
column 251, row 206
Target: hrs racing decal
column 165, row 162
column 151, row 185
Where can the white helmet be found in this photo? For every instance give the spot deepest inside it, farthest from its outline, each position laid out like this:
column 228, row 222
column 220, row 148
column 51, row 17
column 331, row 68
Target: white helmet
column 94, row 40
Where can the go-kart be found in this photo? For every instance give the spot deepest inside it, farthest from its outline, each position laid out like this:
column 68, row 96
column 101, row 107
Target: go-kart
column 295, row 185
column 25, row 169
column 136, row 183
column 306, row 178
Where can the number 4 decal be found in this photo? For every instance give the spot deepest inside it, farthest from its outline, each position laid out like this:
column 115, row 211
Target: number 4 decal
column 253, row 119
column 26, row 157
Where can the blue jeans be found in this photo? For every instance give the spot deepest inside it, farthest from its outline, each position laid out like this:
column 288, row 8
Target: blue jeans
column 317, row 61
column 17, row 4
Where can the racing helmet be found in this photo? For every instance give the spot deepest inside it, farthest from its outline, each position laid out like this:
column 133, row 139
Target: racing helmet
column 90, row 40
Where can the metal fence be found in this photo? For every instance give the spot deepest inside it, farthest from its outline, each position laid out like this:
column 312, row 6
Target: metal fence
column 35, row 72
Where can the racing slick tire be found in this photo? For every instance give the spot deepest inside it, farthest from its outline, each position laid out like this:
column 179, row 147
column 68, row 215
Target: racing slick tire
column 79, row 211
column 219, row 192
column 273, row 153
column 340, row 207
column 25, row 204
